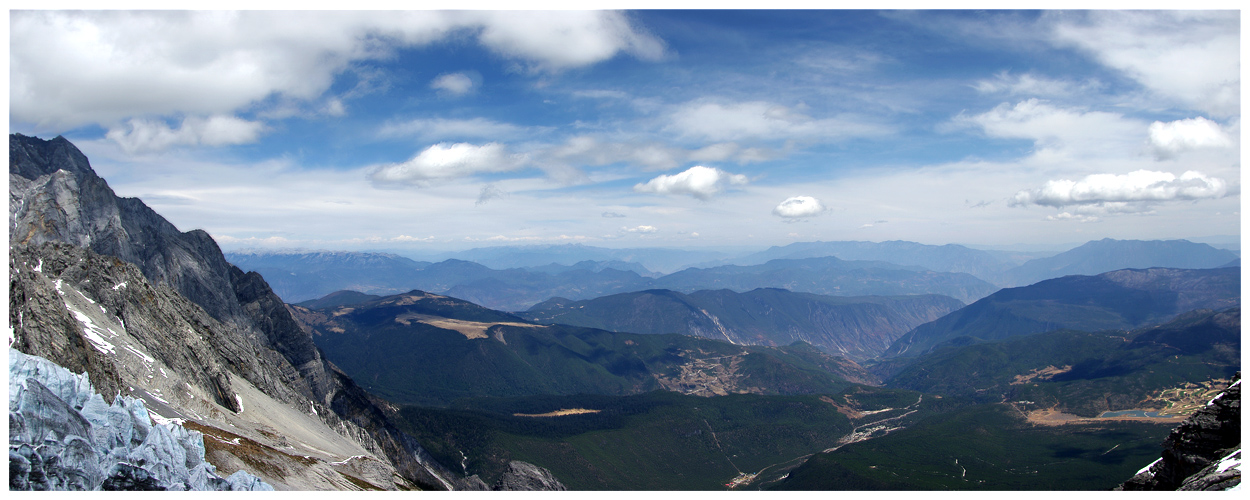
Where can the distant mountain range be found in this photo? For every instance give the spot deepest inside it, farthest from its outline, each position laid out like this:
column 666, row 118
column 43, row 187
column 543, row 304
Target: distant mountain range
column 309, row 276
column 515, row 278
column 1105, row 255
column 1122, row 299
column 855, row 327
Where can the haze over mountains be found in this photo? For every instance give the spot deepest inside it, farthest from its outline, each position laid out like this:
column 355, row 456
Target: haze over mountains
column 833, row 268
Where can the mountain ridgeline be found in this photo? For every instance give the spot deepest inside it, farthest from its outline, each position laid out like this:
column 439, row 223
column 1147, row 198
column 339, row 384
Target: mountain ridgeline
column 422, row 348
column 104, row 285
column 1123, row 299
column 856, row 327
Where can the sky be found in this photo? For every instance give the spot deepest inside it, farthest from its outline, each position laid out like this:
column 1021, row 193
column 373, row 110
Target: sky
column 445, row 130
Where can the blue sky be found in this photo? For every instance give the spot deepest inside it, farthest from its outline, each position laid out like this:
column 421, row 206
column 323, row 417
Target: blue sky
column 436, row 130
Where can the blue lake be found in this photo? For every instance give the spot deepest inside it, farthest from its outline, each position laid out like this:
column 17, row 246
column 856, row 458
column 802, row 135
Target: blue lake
column 1131, row 413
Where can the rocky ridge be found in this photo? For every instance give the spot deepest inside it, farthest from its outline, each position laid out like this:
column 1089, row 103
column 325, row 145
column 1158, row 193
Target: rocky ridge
column 1201, row 454
column 104, row 285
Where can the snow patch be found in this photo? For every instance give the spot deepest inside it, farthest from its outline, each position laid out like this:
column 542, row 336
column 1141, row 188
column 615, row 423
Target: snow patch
column 39, row 267
column 1147, row 468
column 161, row 420
column 1232, row 461
column 119, row 285
column 93, row 333
column 141, row 354
column 239, row 399
column 344, row 462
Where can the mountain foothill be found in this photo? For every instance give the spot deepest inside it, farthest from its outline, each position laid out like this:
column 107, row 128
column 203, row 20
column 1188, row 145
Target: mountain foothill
column 843, row 365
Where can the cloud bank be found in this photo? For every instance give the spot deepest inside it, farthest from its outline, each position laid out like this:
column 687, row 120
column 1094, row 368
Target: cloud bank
column 698, row 181
column 1134, row 192
column 107, row 68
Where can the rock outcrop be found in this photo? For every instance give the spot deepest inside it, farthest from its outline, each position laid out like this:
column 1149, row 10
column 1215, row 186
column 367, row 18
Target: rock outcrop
column 1203, row 453
column 64, row 436
column 106, row 286
column 524, row 476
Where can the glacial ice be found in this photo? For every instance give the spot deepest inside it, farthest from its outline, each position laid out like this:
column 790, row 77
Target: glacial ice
column 64, row 436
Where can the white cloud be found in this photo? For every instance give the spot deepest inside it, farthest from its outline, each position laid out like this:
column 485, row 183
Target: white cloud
column 434, row 129
column 554, row 40
column 1191, row 57
column 1029, row 84
column 142, row 135
column 107, row 69
column 447, row 161
column 797, row 207
column 762, row 120
column 1062, row 216
column 1168, row 139
column 1059, row 129
column 453, row 83
column 698, row 181
column 640, row 229
column 613, row 215
column 1134, row 192
column 587, row 150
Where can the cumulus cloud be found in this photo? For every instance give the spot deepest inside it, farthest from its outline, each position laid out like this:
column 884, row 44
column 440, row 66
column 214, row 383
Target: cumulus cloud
column 698, row 181
column 1191, row 57
column 453, row 83
column 143, row 135
column 447, row 161
column 763, row 120
column 107, row 69
column 798, row 207
column 1135, row 192
column 640, row 229
column 1168, row 139
column 565, row 39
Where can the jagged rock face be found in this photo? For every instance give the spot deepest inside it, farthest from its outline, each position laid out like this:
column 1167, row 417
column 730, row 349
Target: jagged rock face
column 524, row 476
column 54, row 196
column 63, row 436
column 136, row 304
column 1203, row 453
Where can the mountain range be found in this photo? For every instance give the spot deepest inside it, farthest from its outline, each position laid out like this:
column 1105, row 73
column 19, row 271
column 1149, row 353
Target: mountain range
column 307, row 276
column 1123, row 299
column 196, row 374
column 422, row 348
column 524, row 276
column 856, row 327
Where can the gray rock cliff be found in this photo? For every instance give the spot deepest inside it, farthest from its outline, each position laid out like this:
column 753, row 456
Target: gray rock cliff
column 1203, row 453
column 106, row 286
